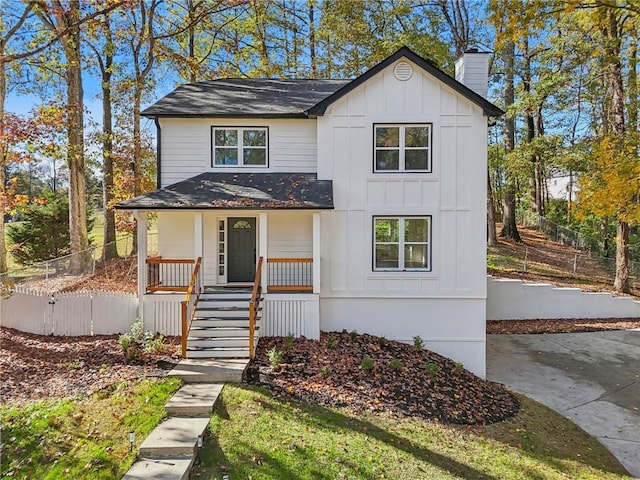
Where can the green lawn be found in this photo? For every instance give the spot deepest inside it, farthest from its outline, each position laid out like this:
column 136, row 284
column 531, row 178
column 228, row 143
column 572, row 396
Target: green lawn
column 81, row 439
column 257, row 436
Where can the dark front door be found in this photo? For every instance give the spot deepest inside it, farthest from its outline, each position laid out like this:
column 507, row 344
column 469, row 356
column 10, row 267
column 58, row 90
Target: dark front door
column 241, row 249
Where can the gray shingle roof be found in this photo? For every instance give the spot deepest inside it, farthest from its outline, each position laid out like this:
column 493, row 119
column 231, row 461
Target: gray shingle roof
column 239, row 191
column 272, row 98
column 245, row 97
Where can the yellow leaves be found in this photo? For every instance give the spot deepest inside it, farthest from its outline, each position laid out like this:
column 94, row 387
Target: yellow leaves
column 612, row 186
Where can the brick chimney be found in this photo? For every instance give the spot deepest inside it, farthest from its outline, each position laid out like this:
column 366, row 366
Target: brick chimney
column 472, row 70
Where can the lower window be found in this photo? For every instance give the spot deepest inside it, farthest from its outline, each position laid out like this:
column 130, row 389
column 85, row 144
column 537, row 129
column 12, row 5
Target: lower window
column 402, row 243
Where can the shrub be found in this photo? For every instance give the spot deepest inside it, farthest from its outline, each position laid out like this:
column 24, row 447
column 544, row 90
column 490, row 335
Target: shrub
column 140, row 340
column 431, row 368
column 396, row 364
column 459, row 367
column 367, row 364
column 418, row 342
column 382, row 341
column 288, row 341
column 332, row 341
column 275, row 357
column 353, row 334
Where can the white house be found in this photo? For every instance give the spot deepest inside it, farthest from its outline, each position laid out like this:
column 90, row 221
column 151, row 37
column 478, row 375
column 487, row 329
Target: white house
column 361, row 203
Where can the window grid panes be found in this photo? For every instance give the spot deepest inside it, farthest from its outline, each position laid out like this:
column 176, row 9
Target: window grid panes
column 402, row 148
column 221, row 254
column 239, row 146
column 402, row 243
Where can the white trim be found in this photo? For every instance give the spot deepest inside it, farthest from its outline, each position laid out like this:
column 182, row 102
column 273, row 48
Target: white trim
column 262, row 245
column 141, row 217
column 402, row 149
column 222, row 279
column 316, row 252
column 239, row 147
column 402, row 242
column 198, row 250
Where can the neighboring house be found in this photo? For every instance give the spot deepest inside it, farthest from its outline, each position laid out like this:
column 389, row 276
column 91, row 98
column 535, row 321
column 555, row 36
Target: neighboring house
column 366, row 199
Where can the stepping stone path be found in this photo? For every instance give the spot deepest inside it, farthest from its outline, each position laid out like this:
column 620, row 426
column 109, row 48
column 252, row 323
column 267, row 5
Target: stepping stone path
column 169, row 452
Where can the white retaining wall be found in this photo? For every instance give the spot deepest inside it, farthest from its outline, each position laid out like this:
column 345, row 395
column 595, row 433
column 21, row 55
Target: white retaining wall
column 71, row 313
column 512, row 299
column 291, row 314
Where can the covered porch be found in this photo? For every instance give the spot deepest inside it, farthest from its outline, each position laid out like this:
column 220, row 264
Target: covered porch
column 235, row 255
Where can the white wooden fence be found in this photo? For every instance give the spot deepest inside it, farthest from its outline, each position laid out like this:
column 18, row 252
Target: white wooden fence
column 72, row 313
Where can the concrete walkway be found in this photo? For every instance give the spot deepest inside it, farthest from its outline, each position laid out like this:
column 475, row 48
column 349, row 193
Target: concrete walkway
column 168, row 453
column 591, row 378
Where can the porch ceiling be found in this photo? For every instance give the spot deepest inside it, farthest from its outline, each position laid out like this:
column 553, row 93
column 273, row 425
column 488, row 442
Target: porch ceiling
column 239, row 191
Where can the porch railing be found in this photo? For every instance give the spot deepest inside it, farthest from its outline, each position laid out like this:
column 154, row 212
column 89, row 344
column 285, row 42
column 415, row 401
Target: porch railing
column 190, row 303
column 168, row 274
column 254, row 306
column 289, row 274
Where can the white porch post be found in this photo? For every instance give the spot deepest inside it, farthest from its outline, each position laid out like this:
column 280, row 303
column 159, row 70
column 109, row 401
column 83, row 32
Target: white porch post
column 197, row 235
column 141, row 218
column 316, row 252
column 262, row 246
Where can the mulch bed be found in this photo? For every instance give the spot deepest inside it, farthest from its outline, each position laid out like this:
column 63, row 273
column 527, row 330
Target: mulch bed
column 404, row 380
column 561, row 325
column 34, row 367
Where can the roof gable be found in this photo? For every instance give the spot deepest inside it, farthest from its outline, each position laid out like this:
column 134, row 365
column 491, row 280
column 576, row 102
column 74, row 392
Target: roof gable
column 287, row 98
column 405, row 52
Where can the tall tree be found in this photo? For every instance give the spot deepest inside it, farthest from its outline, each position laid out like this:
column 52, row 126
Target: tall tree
column 611, row 187
column 105, row 60
column 66, row 18
column 509, row 225
column 7, row 32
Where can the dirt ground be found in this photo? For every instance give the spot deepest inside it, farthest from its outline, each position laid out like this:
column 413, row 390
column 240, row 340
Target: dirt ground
column 34, row 367
column 538, row 259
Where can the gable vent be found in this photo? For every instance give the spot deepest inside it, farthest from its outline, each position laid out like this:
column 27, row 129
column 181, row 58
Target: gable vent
column 402, row 71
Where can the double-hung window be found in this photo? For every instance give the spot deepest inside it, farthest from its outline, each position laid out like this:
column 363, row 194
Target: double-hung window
column 402, row 148
column 239, row 146
column 402, row 243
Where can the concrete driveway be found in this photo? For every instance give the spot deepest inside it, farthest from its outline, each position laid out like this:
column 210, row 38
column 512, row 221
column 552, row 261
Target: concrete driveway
column 590, row 378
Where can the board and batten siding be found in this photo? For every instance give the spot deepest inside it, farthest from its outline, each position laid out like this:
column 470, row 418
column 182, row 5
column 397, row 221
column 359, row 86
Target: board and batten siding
column 445, row 306
column 186, row 146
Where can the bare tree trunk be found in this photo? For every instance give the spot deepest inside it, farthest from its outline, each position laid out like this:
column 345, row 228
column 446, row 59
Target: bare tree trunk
column 621, row 282
column 78, row 234
column 603, row 243
column 632, row 83
column 3, row 159
column 110, row 249
column 59, row 18
column 491, row 215
column 509, row 227
column 616, row 123
column 312, row 40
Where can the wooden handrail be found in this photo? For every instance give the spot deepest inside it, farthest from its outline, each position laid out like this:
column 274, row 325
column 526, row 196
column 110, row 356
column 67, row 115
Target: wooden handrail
column 170, row 260
column 186, row 316
column 254, row 306
column 289, row 260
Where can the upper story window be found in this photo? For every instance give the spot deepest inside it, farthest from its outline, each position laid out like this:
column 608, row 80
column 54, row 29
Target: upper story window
column 402, row 148
column 237, row 147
